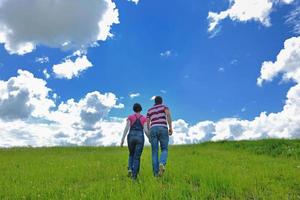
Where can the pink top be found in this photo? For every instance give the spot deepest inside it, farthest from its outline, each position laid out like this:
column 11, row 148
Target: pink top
column 135, row 116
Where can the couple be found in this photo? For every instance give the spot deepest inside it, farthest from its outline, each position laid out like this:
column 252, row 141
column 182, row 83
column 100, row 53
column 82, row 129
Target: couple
column 155, row 126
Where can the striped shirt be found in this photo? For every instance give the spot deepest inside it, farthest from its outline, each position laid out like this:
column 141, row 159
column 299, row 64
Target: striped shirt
column 157, row 115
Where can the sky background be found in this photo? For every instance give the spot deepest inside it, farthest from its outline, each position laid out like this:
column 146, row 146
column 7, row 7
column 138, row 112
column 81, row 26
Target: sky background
column 159, row 48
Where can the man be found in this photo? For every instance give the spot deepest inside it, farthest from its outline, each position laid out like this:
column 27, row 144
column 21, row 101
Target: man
column 158, row 119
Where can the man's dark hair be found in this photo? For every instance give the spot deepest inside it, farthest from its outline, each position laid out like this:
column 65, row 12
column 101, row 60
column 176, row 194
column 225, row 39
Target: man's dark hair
column 158, row 100
column 137, row 107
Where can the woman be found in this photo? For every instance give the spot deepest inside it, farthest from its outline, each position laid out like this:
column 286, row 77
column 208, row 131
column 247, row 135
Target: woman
column 137, row 125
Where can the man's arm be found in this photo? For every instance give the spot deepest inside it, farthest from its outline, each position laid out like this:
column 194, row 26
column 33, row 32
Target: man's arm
column 125, row 132
column 169, row 120
column 148, row 123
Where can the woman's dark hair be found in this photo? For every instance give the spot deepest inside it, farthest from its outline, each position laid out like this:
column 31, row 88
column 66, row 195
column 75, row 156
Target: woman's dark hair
column 158, row 100
column 137, row 107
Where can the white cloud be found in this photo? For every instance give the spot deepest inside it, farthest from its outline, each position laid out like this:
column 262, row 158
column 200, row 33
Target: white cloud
column 243, row 11
column 54, row 96
column 24, row 96
column 87, row 113
column 120, row 105
column 293, row 19
column 287, row 63
column 29, row 116
column 221, row 69
column 46, row 74
column 134, row 95
column 21, row 133
column 69, row 69
column 42, row 60
column 57, row 24
column 186, row 134
column 234, row 62
column 166, row 53
column 135, row 1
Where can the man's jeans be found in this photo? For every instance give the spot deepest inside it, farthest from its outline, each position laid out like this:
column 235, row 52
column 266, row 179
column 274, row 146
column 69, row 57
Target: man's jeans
column 135, row 140
column 159, row 134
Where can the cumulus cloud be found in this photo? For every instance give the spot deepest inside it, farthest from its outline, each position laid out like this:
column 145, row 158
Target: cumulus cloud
column 22, row 133
column 243, row 11
column 69, row 69
column 287, row 63
column 74, row 24
column 186, row 134
column 86, row 113
column 29, row 116
column 24, row 96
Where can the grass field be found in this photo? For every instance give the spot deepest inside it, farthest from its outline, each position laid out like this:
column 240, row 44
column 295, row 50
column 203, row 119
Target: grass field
column 268, row 169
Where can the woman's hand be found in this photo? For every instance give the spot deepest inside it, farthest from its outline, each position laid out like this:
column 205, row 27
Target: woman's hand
column 170, row 131
column 149, row 139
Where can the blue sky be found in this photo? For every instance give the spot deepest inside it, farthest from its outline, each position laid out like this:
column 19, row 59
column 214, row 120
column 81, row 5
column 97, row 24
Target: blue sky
column 131, row 62
column 164, row 48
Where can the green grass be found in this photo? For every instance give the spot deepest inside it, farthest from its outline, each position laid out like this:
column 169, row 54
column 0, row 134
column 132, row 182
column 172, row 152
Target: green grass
column 268, row 169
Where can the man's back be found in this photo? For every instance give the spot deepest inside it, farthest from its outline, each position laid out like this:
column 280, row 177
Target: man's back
column 157, row 115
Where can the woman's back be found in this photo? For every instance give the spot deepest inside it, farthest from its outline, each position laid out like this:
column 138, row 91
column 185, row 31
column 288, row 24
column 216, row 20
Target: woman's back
column 137, row 120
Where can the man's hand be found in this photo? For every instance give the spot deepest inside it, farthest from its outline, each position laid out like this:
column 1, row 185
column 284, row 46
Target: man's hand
column 169, row 119
column 122, row 143
column 170, row 131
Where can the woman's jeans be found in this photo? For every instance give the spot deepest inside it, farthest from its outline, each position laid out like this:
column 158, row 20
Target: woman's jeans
column 135, row 140
column 159, row 134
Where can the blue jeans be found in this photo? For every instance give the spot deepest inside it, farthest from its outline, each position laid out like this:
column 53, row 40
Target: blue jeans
column 135, row 140
column 159, row 134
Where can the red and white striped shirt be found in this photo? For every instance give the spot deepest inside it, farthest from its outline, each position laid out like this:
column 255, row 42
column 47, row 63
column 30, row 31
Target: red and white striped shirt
column 157, row 115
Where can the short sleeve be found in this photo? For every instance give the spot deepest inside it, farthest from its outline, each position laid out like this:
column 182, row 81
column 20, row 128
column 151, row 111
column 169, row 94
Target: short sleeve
column 130, row 119
column 143, row 120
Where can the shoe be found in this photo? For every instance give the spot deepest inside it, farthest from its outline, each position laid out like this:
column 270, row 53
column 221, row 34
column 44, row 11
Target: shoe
column 129, row 173
column 162, row 169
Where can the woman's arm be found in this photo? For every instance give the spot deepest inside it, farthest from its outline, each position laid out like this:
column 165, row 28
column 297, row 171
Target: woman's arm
column 125, row 132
